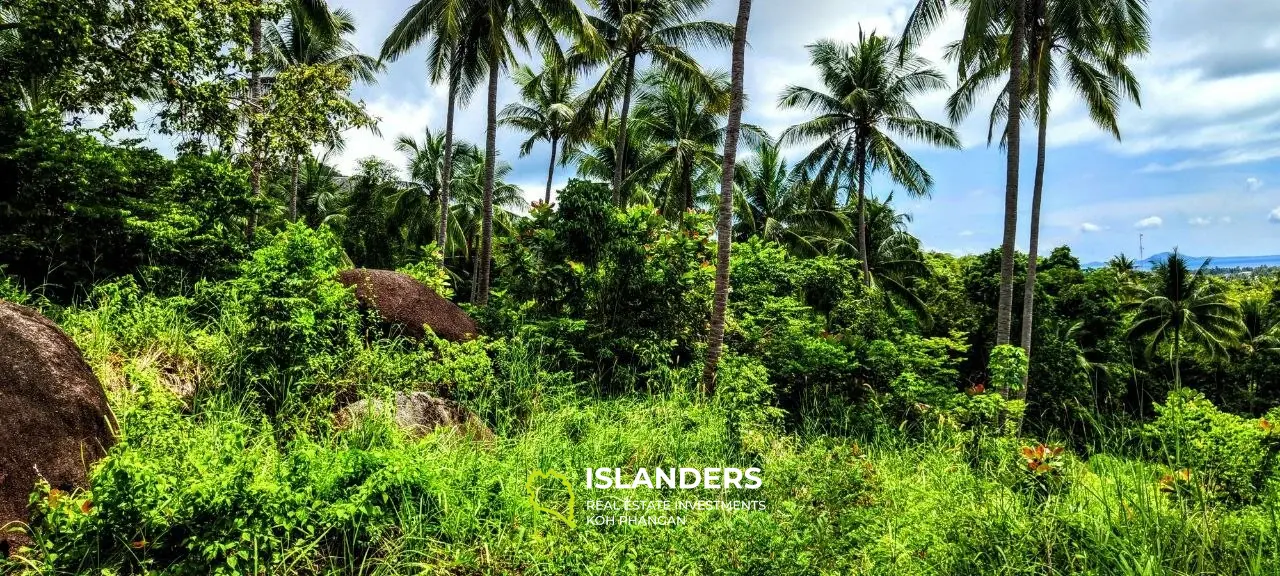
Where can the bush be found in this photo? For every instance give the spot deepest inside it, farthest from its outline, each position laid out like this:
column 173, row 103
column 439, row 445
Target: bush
column 300, row 325
column 744, row 391
column 639, row 286
column 1233, row 456
column 78, row 211
column 428, row 270
column 1008, row 366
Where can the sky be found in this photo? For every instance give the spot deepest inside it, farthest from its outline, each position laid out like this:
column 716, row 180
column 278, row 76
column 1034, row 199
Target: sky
column 1198, row 166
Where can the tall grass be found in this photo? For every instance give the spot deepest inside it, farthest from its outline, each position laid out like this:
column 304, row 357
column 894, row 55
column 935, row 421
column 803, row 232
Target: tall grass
column 213, row 487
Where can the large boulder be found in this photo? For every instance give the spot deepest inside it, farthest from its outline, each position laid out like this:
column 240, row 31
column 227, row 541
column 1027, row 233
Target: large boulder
column 419, row 413
column 400, row 299
column 54, row 419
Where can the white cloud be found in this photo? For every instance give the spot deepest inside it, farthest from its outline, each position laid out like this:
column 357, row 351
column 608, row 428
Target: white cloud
column 1199, row 221
column 967, row 233
column 1225, row 158
column 1253, row 184
column 1090, row 227
column 1225, row 220
column 1149, row 222
column 1274, row 217
column 395, row 117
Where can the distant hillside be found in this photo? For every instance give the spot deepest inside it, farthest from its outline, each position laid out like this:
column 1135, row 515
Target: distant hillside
column 1196, row 261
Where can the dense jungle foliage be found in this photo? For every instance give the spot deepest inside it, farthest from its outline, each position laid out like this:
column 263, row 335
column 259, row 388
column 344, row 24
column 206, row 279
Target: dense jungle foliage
column 860, row 372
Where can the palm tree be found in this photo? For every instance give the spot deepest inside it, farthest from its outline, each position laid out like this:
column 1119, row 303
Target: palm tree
column 979, row 17
column 596, row 157
column 1177, row 305
column 1261, row 326
column 685, row 130
column 1090, row 40
column 420, row 201
column 893, row 257
column 320, row 186
column 298, row 42
column 1122, row 265
column 779, row 206
column 869, row 86
column 629, row 30
column 548, row 111
column 361, row 214
column 453, row 56
column 467, row 227
column 501, row 26
column 724, row 219
column 1260, row 339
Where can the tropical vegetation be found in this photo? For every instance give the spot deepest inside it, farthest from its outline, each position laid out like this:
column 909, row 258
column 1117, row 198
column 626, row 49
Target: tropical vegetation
column 701, row 293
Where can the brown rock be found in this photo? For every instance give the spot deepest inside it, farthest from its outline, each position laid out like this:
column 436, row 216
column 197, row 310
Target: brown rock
column 400, row 299
column 54, row 419
column 420, row 413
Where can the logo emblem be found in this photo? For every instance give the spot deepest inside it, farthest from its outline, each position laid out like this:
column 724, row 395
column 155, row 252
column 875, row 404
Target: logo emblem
column 547, row 491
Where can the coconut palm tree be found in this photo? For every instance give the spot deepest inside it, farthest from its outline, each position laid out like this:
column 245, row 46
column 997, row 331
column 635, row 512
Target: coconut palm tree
column 1122, row 265
column 467, row 219
column 1260, row 340
column 453, row 56
column 361, row 214
column 781, row 206
column 320, row 185
column 298, row 41
column 1261, row 326
column 894, row 259
column 1177, row 305
column 596, row 158
column 979, row 17
column 1089, row 40
column 685, row 128
column 867, row 101
column 547, row 112
column 501, row 26
column 724, row 219
column 418, row 204
column 629, row 30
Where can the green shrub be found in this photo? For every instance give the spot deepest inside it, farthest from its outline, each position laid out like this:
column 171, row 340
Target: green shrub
column 1233, row 455
column 744, row 391
column 1008, row 366
column 427, row 270
column 301, row 326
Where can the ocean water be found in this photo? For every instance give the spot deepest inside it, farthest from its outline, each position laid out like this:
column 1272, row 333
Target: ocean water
column 1225, row 262
column 1216, row 261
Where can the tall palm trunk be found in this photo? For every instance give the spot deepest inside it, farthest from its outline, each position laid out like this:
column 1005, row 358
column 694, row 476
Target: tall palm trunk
column 724, row 224
column 686, row 189
column 490, row 158
column 551, row 170
column 255, row 136
column 293, row 193
column 475, row 269
column 1029, row 294
column 861, row 160
column 1177, row 358
column 620, row 157
column 446, row 179
column 1004, row 311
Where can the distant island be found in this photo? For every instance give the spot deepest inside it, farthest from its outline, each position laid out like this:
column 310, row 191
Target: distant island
column 1225, row 262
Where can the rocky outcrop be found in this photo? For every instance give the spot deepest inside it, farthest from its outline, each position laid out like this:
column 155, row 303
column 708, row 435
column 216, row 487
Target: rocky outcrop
column 400, row 299
column 419, row 413
column 54, row 419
